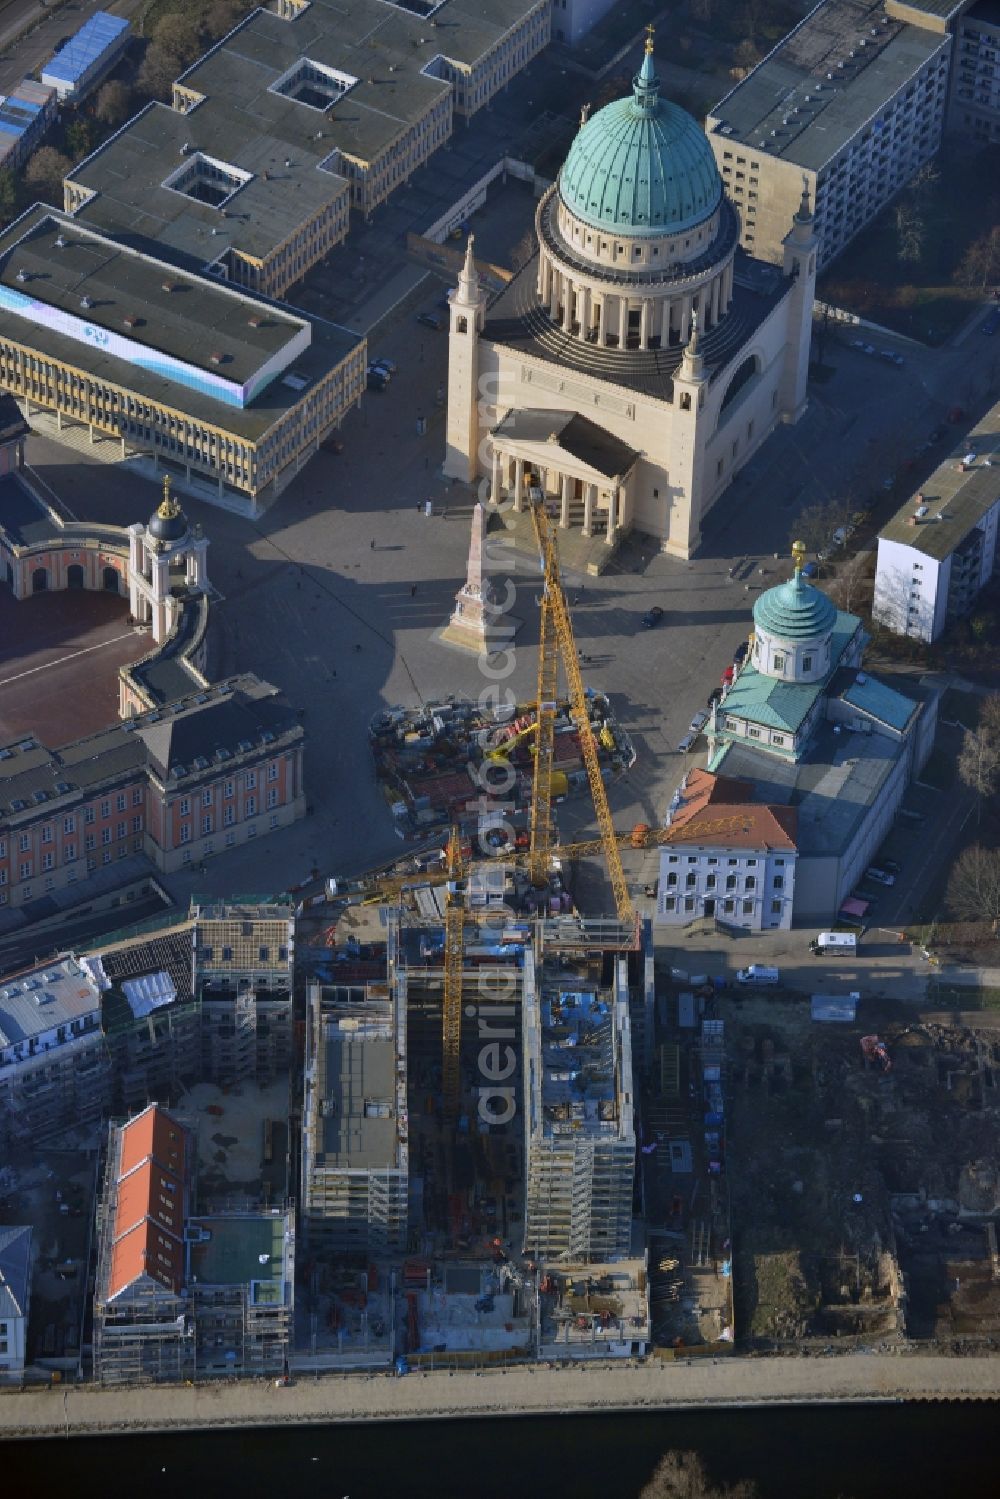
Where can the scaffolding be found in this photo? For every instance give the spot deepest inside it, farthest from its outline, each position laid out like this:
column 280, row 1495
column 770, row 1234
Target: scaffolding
column 355, row 1127
column 244, row 959
column 145, row 1333
column 579, row 1126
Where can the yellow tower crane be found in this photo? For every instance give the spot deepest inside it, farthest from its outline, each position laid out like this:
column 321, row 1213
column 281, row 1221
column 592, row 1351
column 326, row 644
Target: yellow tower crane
column 556, row 639
column 454, row 947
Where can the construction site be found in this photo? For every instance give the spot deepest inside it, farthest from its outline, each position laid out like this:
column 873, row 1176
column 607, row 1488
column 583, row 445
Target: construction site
column 863, row 1177
column 434, row 763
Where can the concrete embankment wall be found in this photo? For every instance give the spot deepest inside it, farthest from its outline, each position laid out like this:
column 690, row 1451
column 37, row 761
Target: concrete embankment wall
column 83, row 1410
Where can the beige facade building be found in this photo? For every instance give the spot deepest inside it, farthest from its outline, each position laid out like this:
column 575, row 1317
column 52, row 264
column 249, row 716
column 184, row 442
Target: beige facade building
column 850, row 104
column 641, row 358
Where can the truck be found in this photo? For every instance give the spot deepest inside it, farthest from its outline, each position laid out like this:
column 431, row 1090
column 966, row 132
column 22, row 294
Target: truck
column 836, row 943
column 759, row 976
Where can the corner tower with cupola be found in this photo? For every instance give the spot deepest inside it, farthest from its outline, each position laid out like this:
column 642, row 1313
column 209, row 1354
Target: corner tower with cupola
column 640, row 358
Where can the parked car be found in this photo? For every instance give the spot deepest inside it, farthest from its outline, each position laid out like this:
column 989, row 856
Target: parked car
column 698, row 722
column 376, row 381
column 879, row 876
column 740, row 653
column 890, row 357
column 891, row 866
column 839, row 537
column 715, row 696
column 862, row 347
column 686, row 743
column 652, row 617
column 430, row 320
column 727, row 676
column 387, row 366
column 810, row 570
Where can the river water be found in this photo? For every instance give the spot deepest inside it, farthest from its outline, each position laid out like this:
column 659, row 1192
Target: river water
column 846, row 1452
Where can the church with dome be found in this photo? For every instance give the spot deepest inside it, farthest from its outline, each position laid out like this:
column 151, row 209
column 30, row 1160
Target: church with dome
column 804, row 728
column 641, row 357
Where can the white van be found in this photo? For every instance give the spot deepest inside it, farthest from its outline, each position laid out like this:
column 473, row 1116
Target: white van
column 836, row 942
column 759, row 975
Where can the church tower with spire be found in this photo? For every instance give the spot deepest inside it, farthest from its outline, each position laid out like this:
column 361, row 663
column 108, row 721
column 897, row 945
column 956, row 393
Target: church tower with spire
column 799, row 264
column 467, row 312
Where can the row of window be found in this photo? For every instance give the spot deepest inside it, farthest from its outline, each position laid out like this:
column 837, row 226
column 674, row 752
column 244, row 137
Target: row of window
column 711, row 881
column 674, row 903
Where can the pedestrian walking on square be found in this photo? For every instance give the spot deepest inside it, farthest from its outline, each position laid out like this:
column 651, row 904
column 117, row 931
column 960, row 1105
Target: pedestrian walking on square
column 373, row 543
column 413, row 589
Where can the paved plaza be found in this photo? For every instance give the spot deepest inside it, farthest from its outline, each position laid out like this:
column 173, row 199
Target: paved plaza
column 338, row 594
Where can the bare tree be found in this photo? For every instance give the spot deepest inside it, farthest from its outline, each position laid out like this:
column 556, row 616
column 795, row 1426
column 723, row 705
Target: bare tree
column 681, row 1475
column 703, row 11
column 979, row 757
column 974, row 886
column 981, row 262
column 909, row 232
column 114, row 101
column 46, row 171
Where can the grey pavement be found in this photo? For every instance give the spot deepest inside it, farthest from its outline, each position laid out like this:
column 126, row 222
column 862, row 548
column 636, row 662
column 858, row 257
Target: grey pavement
column 865, row 1376
column 311, row 605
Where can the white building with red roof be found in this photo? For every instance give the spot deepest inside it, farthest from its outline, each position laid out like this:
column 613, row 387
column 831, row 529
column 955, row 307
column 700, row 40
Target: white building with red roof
column 742, row 873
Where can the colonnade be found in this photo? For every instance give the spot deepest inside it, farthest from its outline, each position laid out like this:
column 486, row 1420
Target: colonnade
column 601, row 315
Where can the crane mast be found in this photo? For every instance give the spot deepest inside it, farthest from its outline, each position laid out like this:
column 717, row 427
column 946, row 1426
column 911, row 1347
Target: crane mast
column 557, row 633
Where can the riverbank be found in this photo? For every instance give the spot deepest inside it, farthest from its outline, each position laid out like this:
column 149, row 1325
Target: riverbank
column 735, row 1382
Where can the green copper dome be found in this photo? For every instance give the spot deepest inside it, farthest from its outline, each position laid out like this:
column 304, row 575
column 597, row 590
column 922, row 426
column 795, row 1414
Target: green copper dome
column 641, row 165
column 794, row 611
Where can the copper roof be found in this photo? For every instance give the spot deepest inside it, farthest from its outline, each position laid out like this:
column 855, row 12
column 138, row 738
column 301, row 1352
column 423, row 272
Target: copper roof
column 148, row 1224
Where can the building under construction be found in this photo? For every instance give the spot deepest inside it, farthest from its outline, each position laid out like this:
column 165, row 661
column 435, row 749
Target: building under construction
column 178, row 1295
column 244, row 954
column 355, row 1138
column 579, row 1122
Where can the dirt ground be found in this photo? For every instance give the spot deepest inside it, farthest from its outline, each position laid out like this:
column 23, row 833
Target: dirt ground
column 863, row 1200
column 230, row 1124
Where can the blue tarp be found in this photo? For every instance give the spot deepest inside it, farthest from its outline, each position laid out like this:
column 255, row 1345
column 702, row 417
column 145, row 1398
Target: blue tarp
column 83, row 50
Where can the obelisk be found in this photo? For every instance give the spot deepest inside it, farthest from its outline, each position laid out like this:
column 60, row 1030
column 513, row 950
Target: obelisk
column 475, row 606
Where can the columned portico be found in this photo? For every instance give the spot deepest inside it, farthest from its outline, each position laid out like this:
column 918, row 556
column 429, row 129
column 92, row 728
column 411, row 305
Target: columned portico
column 576, row 465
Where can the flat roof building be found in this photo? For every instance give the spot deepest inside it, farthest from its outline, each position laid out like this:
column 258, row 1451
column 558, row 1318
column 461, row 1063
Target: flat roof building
column 229, row 393
column 25, row 115
column 851, row 102
column 939, row 550
column 296, row 116
column 355, row 1135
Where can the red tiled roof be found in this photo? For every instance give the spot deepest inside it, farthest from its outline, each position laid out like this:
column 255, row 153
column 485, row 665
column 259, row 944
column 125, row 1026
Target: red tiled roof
column 148, row 1228
column 706, row 800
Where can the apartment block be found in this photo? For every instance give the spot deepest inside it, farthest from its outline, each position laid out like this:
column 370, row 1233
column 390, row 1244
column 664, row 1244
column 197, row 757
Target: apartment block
column 939, row 551
column 850, row 104
column 975, row 96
